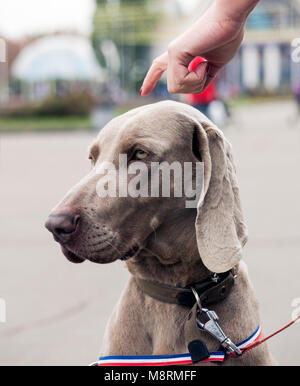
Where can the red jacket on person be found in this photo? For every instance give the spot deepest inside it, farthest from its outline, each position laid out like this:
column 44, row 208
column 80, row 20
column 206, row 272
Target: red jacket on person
column 204, row 98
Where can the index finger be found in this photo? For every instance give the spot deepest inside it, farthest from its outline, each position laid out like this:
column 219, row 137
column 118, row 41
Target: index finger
column 159, row 66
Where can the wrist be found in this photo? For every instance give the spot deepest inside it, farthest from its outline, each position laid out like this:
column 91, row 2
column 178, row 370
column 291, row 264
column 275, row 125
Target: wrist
column 237, row 11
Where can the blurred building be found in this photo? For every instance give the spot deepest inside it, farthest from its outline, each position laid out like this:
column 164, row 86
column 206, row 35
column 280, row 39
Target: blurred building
column 52, row 64
column 11, row 50
column 275, row 15
column 264, row 64
column 123, row 36
column 3, row 71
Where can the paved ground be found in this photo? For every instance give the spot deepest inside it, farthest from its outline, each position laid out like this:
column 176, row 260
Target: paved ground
column 56, row 311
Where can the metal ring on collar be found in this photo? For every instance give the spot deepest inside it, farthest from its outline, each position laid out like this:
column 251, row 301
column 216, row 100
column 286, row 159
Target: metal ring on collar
column 197, row 297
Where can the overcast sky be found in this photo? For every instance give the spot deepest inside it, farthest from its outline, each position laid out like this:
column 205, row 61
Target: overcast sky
column 28, row 17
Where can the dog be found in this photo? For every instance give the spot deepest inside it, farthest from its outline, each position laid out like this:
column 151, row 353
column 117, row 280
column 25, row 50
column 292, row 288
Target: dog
column 160, row 239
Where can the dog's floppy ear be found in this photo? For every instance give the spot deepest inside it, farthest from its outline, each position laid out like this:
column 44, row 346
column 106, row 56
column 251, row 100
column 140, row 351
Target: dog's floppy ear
column 220, row 229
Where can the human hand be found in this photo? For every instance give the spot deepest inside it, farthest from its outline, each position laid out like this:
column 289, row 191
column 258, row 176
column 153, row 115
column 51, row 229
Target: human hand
column 216, row 37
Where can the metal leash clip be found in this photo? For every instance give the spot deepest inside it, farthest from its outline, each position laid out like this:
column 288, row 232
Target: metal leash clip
column 212, row 327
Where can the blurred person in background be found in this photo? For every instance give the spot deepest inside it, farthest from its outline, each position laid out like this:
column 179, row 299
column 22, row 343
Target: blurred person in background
column 216, row 37
column 210, row 104
column 296, row 92
column 203, row 100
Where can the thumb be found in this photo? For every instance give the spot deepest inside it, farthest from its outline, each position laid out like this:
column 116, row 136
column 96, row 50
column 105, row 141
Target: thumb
column 198, row 77
column 195, row 63
column 203, row 70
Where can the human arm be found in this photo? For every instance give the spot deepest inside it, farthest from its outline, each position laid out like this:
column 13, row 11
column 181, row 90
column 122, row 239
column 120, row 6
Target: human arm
column 216, row 37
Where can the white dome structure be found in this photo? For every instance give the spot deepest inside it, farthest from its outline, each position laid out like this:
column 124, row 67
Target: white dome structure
column 58, row 57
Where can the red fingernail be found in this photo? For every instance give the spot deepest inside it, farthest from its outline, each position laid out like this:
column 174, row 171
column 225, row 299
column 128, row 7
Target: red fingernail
column 195, row 63
column 141, row 91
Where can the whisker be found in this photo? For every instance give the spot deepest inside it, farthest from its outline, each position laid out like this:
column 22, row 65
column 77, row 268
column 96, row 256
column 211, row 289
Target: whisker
column 103, row 249
column 154, row 254
column 154, row 231
column 101, row 242
column 115, row 248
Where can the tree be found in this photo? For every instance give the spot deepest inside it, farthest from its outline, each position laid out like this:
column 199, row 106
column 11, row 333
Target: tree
column 130, row 25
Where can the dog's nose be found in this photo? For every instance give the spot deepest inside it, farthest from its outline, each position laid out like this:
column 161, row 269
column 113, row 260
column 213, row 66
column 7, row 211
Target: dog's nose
column 62, row 225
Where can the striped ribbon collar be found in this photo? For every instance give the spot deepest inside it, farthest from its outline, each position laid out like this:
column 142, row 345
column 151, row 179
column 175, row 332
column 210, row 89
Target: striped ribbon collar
column 177, row 359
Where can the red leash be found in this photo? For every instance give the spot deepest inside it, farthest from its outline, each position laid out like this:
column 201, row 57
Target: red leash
column 259, row 342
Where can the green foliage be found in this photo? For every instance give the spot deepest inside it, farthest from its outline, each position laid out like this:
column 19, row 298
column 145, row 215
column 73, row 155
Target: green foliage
column 69, row 105
column 44, row 124
column 131, row 25
column 72, row 104
column 128, row 25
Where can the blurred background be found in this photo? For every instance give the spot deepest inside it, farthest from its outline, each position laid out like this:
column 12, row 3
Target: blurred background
column 69, row 66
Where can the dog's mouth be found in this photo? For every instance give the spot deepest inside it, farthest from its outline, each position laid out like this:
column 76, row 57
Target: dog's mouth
column 73, row 258
column 131, row 252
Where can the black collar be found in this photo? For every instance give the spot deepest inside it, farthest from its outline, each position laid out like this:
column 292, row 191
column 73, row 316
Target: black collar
column 211, row 290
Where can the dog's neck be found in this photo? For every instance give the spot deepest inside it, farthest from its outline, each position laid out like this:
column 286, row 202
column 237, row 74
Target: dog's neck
column 171, row 255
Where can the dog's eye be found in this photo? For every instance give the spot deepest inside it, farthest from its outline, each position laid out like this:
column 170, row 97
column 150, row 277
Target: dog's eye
column 140, row 154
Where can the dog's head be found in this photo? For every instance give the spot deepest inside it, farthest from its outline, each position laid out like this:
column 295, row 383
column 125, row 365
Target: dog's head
column 109, row 215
